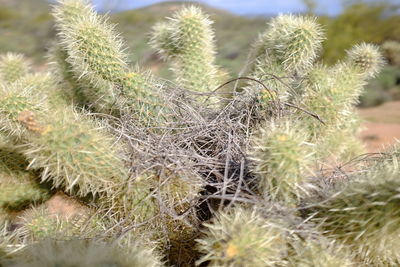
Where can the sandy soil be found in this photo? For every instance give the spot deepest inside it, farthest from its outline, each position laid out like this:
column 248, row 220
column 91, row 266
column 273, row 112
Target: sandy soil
column 382, row 126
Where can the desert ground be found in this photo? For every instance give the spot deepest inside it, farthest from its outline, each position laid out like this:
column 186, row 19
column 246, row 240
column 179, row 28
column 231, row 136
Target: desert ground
column 381, row 125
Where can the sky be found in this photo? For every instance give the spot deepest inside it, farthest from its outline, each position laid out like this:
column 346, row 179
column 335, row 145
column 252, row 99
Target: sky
column 241, row 7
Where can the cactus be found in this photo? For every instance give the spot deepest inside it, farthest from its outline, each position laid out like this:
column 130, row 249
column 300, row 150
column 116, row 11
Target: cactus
column 15, row 100
column 188, row 39
column 71, row 149
column 96, row 57
column 282, row 157
column 287, row 48
column 81, row 253
column 74, row 153
column 322, row 253
column 242, row 237
column 364, row 215
column 40, row 224
column 332, row 93
column 13, row 67
column 276, row 136
column 366, row 59
column 18, row 187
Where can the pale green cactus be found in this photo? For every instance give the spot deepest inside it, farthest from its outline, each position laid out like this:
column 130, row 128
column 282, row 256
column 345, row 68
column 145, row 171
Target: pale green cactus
column 13, row 101
column 13, row 67
column 96, row 56
column 69, row 88
column 282, row 158
column 288, row 47
column 71, row 150
column 364, row 216
column 242, row 237
column 42, row 117
column 366, row 58
column 81, row 253
column 293, row 41
column 39, row 224
column 74, row 153
column 188, row 40
column 19, row 188
column 322, row 253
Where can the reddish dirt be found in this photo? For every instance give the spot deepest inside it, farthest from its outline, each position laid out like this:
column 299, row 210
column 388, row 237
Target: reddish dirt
column 65, row 207
column 382, row 126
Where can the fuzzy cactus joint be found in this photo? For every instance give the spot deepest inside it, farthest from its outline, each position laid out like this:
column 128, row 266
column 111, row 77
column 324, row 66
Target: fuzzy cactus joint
column 201, row 170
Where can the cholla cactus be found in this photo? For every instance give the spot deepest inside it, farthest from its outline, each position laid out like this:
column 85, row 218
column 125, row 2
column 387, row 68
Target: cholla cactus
column 332, row 93
column 287, row 48
column 71, row 150
column 292, row 41
column 95, row 55
column 43, row 120
column 12, row 67
column 74, row 153
column 40, row 224
column 282, row 158
column 81, row 253
column 321, row 252
column 242, row 237
column 18, row 187
column 366, row 58
column 187, row 39
column 364, row 216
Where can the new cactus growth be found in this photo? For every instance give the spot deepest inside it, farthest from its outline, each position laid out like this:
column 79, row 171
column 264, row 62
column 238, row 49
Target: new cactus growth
column 287, row 48
column 293, row 42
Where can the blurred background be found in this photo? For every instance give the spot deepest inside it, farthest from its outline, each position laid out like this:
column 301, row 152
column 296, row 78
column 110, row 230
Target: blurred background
column 26, row 27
